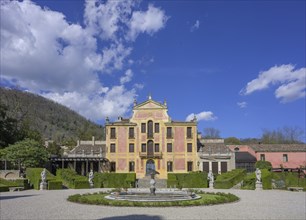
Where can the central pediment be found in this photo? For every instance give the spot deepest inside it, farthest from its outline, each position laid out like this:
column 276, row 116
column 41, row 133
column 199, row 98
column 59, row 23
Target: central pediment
column 150, row 104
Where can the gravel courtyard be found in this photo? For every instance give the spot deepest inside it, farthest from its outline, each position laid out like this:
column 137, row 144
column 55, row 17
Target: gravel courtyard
column 271, row 204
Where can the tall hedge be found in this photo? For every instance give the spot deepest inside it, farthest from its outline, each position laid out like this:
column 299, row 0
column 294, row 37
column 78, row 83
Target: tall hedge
column 71, row 179
column 33, row 174
column 187, row 180
column 229, row 179
column 114, row 180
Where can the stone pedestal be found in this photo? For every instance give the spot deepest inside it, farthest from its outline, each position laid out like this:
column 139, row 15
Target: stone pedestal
column 43, row 186
column 258, row 186
column 91, row 185
column 211, row 185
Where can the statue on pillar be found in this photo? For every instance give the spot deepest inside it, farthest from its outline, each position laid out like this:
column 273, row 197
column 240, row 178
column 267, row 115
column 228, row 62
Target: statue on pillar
column 211, row 179
column 90, row 178
column 43, row 175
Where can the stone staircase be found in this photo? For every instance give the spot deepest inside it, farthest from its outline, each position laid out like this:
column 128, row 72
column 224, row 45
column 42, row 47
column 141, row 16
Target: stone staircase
column 145, row 182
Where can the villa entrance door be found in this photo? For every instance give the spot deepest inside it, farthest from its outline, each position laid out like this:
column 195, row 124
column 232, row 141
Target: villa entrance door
column 150, row 166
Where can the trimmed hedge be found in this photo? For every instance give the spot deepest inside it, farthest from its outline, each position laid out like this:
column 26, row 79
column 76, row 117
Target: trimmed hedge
column 266, row 178
column 114, row 180
column 15, row 183
column 71, row 179
column 4, row 188
column 249, row 181
column 229, row 179
column 187, row 180
column 55, row 184
column 33, row 174
column 290, row 179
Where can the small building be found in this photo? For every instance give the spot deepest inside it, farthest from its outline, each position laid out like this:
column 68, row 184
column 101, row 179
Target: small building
column 215, row 156
column 290, row 156
column 86, row 156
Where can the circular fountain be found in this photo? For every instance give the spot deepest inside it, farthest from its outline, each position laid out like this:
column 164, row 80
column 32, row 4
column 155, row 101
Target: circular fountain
column 165, row 195
column 153, row 195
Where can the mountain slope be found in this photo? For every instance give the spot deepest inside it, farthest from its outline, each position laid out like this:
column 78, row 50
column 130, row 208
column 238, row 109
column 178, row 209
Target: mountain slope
column 54, row 121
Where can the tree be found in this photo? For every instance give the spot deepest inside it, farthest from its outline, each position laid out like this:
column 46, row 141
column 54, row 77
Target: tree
column 27, row 153
column 285, row 135
column 211, row 133
column 54, row 149
column 9, row 129
column 232, row 140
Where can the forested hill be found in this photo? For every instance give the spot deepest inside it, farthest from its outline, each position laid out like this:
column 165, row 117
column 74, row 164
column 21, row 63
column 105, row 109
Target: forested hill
column 52, row 120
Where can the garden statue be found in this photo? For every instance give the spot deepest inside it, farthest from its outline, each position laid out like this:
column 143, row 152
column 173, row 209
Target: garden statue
column 152, row 181
column 258, row 185
column 90, row 178
column 211, row 179
column 258, row 175
column 43, row 184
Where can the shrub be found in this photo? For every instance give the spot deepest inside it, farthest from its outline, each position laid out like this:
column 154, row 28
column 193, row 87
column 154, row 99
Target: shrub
column 71, row 179
column 15, row 183
column 33, row 174
column 249, row 181
column 229, row 179
column 266, row 178
column 187, row 180
column 263, row 165
column 4, row 188
column 114, row 180
column 55, row 184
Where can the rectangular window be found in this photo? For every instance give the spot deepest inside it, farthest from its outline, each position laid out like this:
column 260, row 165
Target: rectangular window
column 112, row 166
column 169, row 132
column 189, row 147
column 223, row 167
column 156, row 129
column 189, row 166
column 285, row 157
column 262, row 157
column 156, row 147
column 143, row 148
column 169, row 147
column 170, row 166
column 143, row 127
column 189, row 132
column 132, row 166
column 113, row 148
column 131, row 133
column 131, row 148
column 206, row 166
column 113, row 133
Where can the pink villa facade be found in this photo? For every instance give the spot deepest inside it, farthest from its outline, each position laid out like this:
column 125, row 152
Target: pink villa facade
column 150, row 139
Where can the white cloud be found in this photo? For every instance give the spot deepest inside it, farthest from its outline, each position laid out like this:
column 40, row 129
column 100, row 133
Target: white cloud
column 195, row 26
column 112, row 104
column 242, row 104
column 202, row 116
column 127, row 77
column 149, row 22
column 291, row 82
column 42, row 51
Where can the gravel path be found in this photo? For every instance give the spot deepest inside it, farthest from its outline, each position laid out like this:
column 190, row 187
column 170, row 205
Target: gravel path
column 270, row 204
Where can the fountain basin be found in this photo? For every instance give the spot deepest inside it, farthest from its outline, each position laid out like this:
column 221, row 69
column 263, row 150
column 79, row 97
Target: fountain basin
column 160, row 196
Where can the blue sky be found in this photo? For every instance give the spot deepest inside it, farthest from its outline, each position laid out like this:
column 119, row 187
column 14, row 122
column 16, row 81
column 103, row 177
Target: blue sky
column 239, row 66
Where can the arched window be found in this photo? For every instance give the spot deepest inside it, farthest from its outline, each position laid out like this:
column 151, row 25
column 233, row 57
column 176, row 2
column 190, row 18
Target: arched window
column 150, row 150
column 150, row 129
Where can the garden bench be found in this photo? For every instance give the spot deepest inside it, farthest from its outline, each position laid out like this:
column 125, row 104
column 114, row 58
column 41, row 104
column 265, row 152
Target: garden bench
column 292, row 188
column 17, row 188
